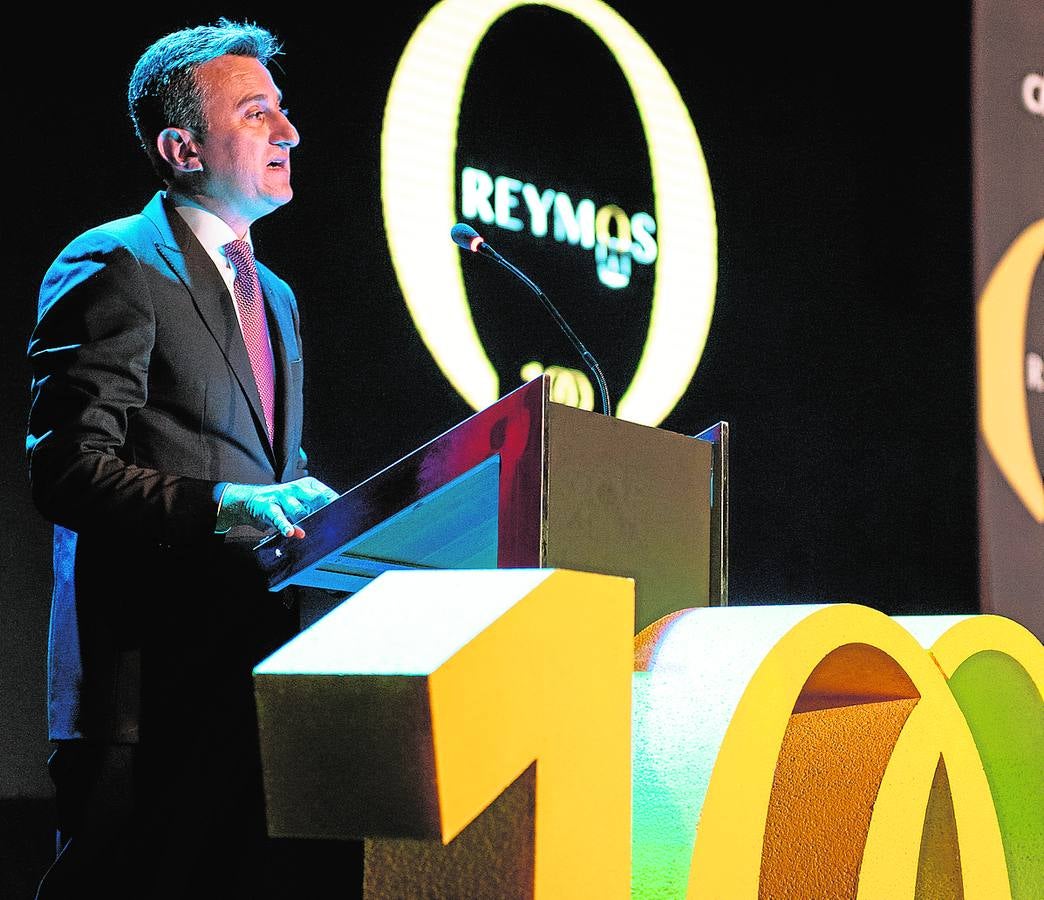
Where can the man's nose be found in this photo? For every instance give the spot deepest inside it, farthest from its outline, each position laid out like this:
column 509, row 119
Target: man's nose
column 284, row 134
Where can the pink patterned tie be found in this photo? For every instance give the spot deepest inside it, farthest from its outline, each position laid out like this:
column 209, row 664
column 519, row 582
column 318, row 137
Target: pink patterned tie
column 255, row 326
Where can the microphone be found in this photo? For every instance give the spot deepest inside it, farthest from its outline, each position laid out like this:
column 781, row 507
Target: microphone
column 468, row 238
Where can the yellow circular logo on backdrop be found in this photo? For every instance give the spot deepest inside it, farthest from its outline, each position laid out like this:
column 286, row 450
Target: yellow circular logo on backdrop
column 1003, row 410
column 418, row 184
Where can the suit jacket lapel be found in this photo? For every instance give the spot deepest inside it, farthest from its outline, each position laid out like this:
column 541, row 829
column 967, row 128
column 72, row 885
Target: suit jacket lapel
column 194, row 267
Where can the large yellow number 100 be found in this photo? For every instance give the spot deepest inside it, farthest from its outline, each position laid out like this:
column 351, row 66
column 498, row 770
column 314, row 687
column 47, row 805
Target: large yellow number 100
column 495, row 734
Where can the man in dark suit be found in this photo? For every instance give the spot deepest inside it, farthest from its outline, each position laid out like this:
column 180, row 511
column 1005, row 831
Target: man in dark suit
column 165, row 433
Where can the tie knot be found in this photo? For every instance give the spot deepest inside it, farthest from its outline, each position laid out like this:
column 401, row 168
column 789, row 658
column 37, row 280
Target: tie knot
column 239, row 253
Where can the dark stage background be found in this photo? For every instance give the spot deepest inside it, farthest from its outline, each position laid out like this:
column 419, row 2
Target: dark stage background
column 841, row 347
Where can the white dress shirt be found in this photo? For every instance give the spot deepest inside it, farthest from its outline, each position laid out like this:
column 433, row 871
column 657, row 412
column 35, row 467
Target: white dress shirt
column 213, row 233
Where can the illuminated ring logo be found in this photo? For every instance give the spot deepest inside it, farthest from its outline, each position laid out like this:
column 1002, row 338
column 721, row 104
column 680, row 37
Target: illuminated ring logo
column 1003, row 410
column 418, row 148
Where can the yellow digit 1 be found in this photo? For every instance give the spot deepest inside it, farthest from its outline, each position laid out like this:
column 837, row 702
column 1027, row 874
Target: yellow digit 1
column 406, row 712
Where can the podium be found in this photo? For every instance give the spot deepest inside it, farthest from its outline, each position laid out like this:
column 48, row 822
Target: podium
column 468, row 724
column 532, row 483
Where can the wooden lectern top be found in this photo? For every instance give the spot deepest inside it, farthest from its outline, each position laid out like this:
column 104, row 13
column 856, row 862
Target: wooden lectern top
column 528, row 482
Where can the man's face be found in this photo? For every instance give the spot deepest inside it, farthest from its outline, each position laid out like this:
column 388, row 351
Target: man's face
column 246, row 152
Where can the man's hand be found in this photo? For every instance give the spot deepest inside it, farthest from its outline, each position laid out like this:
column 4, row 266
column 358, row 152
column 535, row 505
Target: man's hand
column 276, row 506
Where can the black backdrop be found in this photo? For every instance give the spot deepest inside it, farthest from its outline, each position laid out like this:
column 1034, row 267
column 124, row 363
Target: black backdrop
column 841, row 349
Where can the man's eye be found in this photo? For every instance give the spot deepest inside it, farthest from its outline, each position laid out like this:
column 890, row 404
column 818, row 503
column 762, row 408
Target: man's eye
column 256, row 114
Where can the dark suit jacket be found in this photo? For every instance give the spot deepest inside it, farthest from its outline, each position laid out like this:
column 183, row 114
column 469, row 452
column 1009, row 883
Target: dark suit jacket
column 143, row 400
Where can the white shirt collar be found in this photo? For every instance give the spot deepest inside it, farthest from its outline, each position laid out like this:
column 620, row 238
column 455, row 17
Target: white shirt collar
column 210, row 230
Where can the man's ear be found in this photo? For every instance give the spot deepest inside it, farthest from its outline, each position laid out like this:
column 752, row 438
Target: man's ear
column 180, row 150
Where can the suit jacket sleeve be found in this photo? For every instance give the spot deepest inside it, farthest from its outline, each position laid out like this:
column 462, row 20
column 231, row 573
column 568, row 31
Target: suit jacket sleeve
column 89, row 357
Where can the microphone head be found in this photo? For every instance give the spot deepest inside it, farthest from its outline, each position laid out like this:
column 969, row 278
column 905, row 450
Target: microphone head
column 465, row 236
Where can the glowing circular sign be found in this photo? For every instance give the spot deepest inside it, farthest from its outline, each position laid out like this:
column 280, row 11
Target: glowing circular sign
column 1003, row 411
column 418, row 149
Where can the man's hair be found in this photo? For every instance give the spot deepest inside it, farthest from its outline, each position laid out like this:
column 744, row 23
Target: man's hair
column 163, row 91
